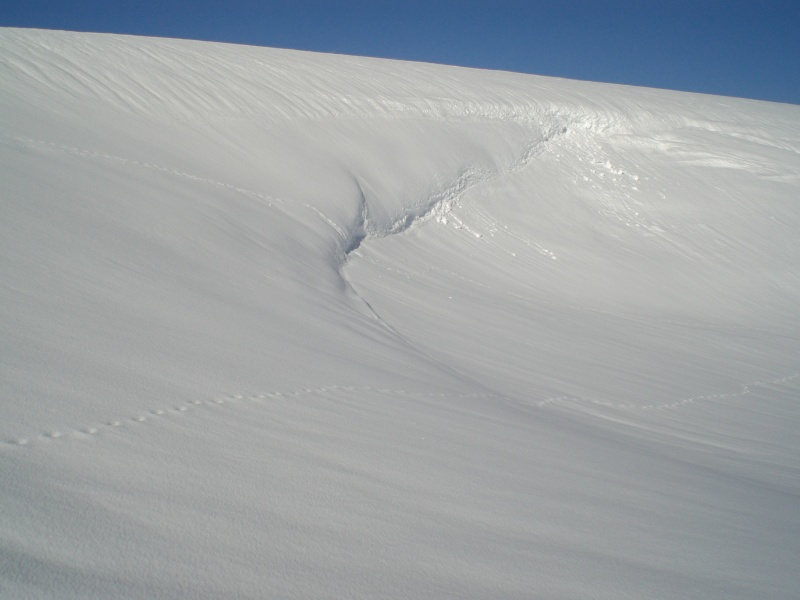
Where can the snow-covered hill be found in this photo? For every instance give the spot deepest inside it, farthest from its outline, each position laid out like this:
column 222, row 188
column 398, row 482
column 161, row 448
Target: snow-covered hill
column 288, row 325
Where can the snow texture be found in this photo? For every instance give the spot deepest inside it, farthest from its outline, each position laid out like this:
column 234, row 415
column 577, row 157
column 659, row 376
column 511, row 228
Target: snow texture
column 289, row 325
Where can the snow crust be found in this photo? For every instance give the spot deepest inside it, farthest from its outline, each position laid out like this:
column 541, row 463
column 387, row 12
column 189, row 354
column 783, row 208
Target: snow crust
column 289, row 325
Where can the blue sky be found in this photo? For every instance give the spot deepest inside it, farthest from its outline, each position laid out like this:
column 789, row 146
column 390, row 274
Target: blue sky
column 734, row 48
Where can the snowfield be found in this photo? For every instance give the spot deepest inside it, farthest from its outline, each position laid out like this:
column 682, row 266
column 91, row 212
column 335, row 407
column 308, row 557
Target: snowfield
column 276, row 324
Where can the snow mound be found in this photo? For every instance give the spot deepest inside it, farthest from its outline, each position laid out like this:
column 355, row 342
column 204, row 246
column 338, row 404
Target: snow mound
column 282, row 324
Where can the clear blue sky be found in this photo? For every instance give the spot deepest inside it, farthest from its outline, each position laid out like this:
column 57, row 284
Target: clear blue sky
column 733, row 48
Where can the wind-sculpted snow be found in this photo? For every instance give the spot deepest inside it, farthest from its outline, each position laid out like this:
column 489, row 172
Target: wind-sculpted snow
column 292, row 325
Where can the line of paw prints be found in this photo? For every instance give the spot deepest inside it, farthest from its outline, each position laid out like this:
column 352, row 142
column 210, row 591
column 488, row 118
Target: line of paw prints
column 177, row 409
column 146, row 416
column 743, row 390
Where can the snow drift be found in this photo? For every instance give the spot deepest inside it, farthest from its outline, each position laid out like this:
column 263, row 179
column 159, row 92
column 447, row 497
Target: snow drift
column 289, row 325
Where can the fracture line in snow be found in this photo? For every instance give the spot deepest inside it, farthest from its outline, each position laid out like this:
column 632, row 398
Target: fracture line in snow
column 440, row 205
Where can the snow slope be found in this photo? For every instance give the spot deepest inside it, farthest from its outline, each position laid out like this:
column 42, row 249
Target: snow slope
column 289, row 325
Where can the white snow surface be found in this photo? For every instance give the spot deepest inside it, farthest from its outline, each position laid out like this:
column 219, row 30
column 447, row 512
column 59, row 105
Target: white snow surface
column 276, row 324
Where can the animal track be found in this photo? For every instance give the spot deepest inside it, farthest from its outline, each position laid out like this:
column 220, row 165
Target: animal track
column 84, row 153
column 143, row 417
column 744, row 390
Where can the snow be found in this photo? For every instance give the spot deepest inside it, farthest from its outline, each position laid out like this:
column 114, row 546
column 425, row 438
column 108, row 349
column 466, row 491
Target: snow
column 289, row 325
